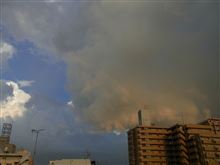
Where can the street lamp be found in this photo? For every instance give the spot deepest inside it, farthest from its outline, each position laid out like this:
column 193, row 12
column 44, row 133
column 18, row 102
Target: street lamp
column 37, row 131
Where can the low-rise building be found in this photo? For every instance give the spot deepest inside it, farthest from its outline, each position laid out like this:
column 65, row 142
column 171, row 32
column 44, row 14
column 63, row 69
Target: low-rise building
column 72, row 162
column 8, row 153
column 22, row 157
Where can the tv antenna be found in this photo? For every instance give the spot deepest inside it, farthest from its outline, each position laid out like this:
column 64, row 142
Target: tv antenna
column 36, row 131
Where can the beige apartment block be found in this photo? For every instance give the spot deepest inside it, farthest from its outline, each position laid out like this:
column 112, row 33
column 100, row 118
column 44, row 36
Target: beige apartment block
column 188, row 144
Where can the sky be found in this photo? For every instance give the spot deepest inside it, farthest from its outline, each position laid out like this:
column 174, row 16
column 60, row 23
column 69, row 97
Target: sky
column 82, row 69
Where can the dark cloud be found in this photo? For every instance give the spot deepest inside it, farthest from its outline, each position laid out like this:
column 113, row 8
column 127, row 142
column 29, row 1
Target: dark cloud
column 122, row 57
column 163, row 56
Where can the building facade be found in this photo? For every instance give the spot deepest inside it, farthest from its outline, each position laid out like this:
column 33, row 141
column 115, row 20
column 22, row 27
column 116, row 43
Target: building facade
column 17, row 158
column 8, row 153
column 188, row 144
column 72, row 162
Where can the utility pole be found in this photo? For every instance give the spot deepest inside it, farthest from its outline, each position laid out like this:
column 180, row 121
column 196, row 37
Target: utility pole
column 37, row 131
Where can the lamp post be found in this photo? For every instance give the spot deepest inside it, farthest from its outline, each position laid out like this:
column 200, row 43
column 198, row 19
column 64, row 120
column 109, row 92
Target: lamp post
column 37, row 131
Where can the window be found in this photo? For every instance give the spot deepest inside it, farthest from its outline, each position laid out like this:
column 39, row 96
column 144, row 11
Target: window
column 213, row 141
column 217, row 155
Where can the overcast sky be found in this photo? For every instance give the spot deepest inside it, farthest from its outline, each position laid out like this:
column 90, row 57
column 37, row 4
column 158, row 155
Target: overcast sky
column 82, row 69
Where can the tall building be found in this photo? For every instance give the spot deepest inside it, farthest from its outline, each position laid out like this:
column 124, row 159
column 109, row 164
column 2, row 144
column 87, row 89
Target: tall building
column 8, row 153
column 187, row 144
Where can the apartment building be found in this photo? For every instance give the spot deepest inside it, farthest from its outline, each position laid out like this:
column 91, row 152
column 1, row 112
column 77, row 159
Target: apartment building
column 194, row 144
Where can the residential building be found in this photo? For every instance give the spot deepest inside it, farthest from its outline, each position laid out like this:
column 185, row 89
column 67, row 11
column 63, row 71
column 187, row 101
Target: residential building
column 185, row 144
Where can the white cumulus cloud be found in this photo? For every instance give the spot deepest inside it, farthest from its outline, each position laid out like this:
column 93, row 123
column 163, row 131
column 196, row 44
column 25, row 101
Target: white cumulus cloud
column 13, row 106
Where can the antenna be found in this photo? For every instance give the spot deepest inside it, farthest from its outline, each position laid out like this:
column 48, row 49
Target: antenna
column 37, row 131
column 88, row 154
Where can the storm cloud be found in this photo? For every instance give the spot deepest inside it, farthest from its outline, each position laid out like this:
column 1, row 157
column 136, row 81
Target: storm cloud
column 123, row 56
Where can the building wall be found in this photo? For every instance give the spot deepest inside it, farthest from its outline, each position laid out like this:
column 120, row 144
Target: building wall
column 147, row 145
column 176, row 146
column 181, row 144
column 9, row 155
column 18, row 158
column 5, row 145
column 71, row 162
column 204, row 142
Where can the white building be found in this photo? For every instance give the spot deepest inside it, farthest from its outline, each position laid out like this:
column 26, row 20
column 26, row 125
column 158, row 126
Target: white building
column 71, row 162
